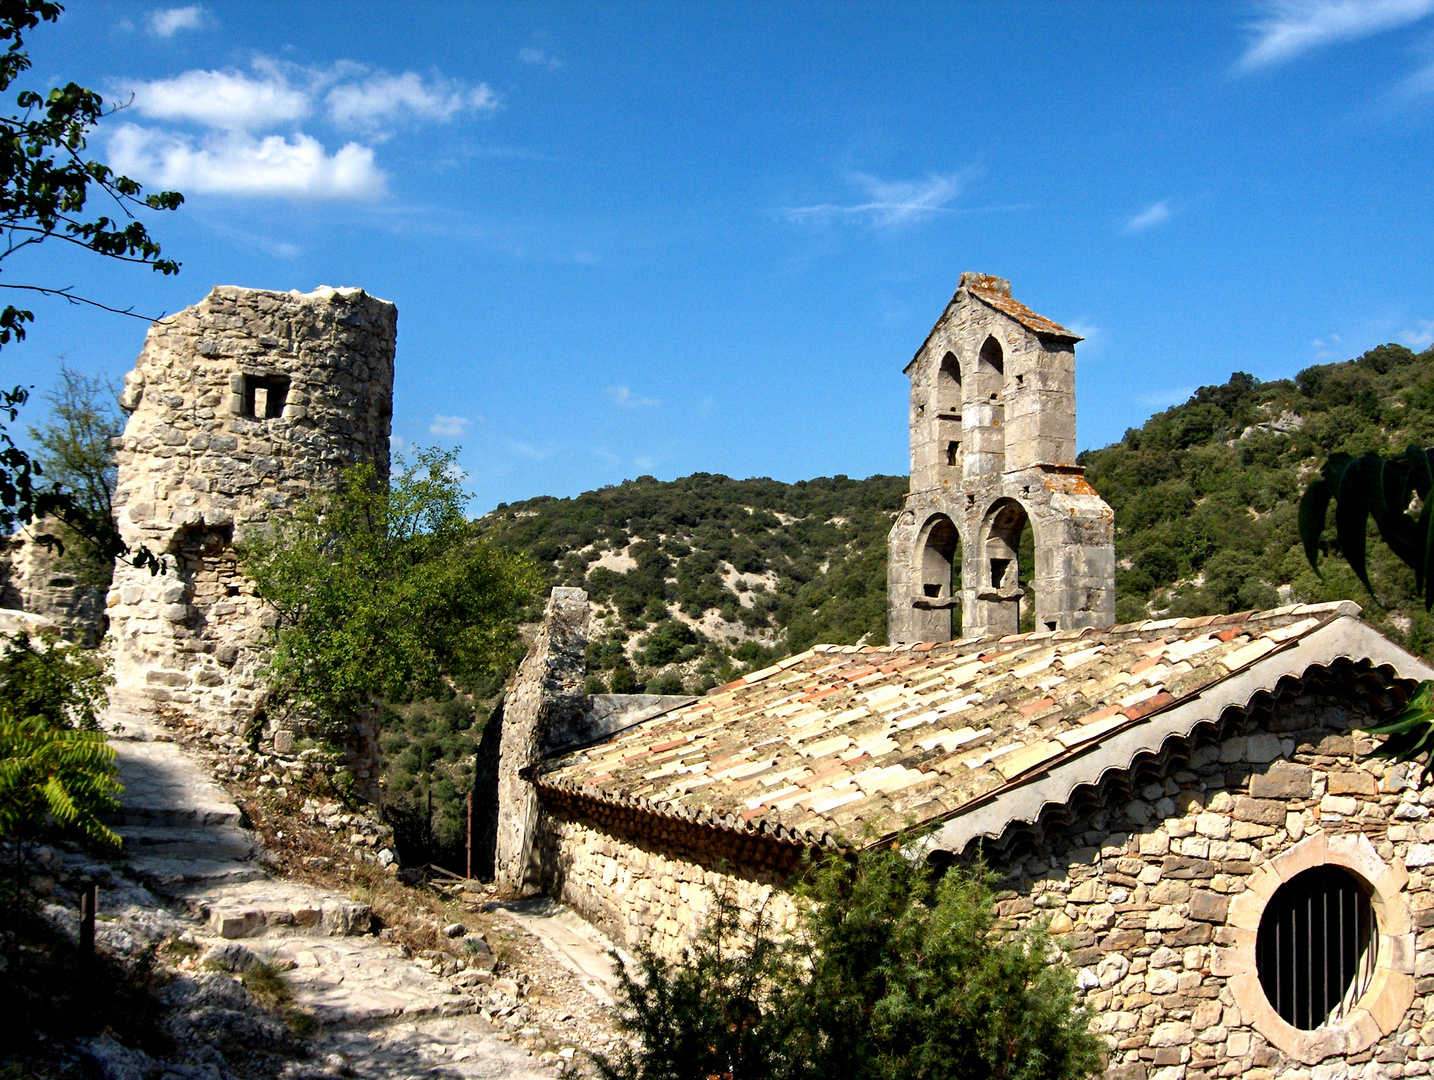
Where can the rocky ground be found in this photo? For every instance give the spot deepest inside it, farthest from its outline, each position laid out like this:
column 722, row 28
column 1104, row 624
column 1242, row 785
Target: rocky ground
column 269, row 951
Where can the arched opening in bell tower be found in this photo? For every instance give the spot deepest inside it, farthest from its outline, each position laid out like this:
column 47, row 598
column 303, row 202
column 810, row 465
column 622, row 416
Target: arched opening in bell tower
column 949, row 431
column 938, row 578
column 948, row 386
column 988, row 413
column 1008, row 569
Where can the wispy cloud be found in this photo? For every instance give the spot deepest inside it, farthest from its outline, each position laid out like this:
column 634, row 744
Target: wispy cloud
column 1291, row 28
column 382, row 99
column 527, row 450
column 448, row 427
column 539, row 58
column 1420, row 338
column 1155, row 214
column 1160, row 399
column 238, row 163
column 889, row 202
column 166, row 22
column 626, row 399
column 1093, row 334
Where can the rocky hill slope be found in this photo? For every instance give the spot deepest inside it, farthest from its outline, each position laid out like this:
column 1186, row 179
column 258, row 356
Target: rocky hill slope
column 700, row 578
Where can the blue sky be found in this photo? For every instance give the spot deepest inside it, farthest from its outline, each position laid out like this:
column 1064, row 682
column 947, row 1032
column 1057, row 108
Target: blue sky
column 667, row 238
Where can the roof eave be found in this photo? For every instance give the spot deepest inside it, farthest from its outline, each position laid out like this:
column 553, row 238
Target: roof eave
column 1345, row 637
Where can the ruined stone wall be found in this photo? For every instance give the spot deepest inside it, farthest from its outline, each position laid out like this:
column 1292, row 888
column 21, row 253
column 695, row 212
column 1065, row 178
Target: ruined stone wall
column 545, row 697
column 1157, row 901
column 61, row 586
column 238, row 406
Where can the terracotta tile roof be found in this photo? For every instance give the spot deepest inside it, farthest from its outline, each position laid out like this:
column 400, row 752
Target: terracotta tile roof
column 840, row 739
column 1002, row 300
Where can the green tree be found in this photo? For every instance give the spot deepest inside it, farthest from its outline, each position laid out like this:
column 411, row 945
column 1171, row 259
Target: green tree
column 47, row 181
column 50, row 680
column 890, row 973
column 384, row 592
column 73, row 448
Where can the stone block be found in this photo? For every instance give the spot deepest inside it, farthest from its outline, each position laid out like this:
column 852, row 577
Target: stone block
column 1343, row 805
column 1260, row 811
column 1354, row 782
column 1209, row 906
column 1283, row 780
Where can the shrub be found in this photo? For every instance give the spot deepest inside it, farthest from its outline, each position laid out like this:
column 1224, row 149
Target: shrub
column 891, row 973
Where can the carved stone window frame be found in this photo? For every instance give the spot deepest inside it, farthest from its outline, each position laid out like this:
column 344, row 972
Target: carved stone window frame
column 1391, row 990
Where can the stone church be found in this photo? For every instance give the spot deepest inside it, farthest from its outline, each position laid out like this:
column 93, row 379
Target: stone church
column 1189, row 804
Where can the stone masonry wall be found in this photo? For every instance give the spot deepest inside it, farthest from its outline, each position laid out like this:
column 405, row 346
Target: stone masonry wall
column 546, row 694
column 1142, row 895
column 42, row 581
column 238, row 406
column 642, row 895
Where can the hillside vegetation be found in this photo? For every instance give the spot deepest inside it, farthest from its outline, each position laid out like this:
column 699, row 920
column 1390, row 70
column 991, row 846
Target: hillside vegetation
column 700, row 578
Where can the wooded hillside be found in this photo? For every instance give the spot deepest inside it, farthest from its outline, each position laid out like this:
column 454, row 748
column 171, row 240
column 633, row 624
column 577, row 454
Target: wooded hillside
column 700, row 578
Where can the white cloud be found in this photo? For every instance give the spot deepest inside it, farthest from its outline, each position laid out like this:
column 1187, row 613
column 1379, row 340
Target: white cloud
column 448, row 427
column 890, row 202
column 234, row 106
column 1421, row 338
column 1154, row 214
column 383, row 99
column 628, row 400
column 240, row 164
column 223, row 99
column 455, row 472
column 166, row 22
column 1291, row 28
column 538, row 58
column 397, row 444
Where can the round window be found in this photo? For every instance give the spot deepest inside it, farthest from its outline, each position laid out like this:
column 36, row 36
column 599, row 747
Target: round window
column 1317, row 946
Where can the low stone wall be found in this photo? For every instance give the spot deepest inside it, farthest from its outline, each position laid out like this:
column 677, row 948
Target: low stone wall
column 640, row 894
column 1156, row 901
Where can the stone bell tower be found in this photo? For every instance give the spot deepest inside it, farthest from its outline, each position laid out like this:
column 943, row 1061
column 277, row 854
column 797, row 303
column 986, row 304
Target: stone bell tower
column 993, row 448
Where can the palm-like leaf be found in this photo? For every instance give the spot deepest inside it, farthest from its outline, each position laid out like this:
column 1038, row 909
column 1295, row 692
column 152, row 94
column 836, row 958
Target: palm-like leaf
column 1371, row 486
column 51, row 775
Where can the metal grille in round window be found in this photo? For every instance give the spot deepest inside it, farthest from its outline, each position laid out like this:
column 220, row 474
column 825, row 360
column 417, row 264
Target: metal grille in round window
column 1316, row 948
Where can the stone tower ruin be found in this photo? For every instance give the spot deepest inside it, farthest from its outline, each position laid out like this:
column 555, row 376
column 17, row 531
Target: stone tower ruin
column 993, row 447
column 238, row 406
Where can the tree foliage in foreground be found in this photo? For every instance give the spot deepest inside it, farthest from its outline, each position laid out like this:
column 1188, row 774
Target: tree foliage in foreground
column 1386, row 490
column 384, row 592
column 890, row 974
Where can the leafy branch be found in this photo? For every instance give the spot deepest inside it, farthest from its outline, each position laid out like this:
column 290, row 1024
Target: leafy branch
column 1385, row 489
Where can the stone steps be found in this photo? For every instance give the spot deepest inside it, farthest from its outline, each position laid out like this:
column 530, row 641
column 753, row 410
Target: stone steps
column 267, row 907
column 217, row 842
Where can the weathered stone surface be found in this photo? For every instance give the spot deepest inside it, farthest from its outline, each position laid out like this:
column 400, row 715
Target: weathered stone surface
column 1283, row 780
column 993, row 444
column 45, row 581
column 238, row 406
column 547, row 692
column 1209, row 906
column 1260, row 811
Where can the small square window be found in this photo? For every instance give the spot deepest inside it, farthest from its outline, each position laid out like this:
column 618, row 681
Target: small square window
column 265, row 396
